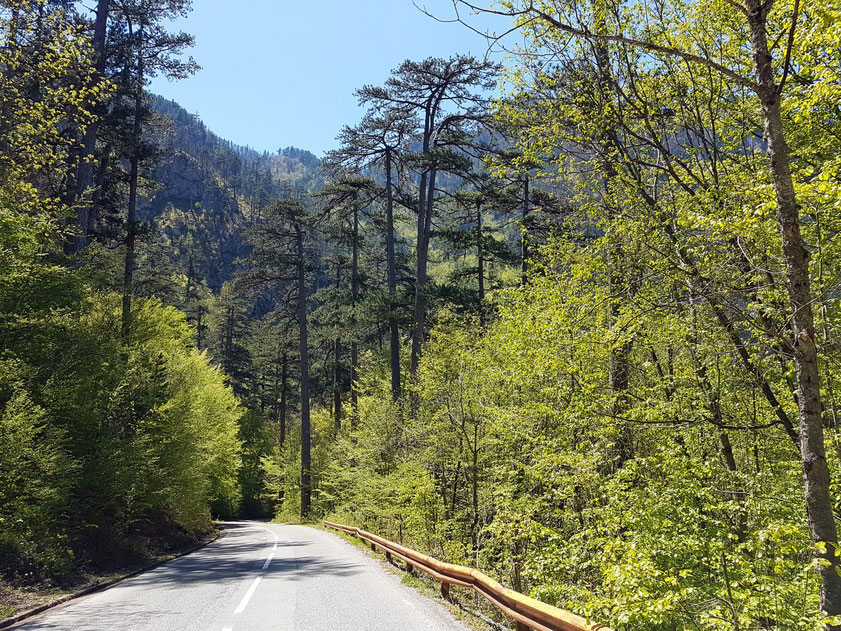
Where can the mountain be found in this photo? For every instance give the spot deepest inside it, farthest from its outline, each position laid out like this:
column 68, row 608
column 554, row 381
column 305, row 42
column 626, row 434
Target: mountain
column 208, row 190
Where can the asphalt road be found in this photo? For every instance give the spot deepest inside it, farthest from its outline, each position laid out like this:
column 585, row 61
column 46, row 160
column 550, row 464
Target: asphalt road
column 258, row 577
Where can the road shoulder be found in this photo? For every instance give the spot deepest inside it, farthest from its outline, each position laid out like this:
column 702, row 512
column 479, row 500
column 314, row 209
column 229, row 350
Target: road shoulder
column 39, row 601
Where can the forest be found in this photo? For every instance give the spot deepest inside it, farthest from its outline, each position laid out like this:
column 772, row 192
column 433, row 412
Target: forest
column 571, row 318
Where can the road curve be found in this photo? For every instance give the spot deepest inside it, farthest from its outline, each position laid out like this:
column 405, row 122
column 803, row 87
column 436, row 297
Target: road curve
column 257, row 577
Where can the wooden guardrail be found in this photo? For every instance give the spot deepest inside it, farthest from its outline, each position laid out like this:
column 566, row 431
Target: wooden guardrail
column 527, row 612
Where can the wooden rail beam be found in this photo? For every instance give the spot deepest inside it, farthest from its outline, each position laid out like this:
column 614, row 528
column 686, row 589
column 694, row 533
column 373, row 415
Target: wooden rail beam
column 527, row 612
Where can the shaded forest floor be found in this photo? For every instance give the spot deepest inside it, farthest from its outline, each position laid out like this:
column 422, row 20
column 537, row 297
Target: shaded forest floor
column 16, row 598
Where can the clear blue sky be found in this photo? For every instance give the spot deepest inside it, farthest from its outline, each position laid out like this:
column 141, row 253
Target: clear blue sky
column 277, row 73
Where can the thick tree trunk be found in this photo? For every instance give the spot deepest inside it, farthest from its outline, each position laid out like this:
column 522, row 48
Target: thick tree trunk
column 306, row 461
column 812, row 451
column 392, row 282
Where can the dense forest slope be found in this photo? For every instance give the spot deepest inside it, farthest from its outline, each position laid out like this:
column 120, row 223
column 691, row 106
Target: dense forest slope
column 211, row 189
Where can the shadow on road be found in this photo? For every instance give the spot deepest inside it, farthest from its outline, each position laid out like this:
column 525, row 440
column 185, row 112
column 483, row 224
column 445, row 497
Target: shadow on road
column 231, row 558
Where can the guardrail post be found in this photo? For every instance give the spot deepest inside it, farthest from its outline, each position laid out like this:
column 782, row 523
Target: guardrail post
column 373, row 547
column 521, row 626
column 445, row 590
column 410, row 568
column 387, row 555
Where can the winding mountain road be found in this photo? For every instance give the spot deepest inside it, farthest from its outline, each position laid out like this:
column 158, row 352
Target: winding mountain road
column 257, row 577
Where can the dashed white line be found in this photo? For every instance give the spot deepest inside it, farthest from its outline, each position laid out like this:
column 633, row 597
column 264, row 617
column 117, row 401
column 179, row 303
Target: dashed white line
column 271, row 555
column 244, row 602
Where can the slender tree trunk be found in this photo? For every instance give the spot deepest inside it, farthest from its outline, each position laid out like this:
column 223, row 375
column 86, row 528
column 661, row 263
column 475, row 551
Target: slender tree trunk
column 620, row 350
column 796, row 257
column 131, row 219
column 276, row 391
column 306, row 462
column 337, row 370
column 474, row 531
column 619, row 360
column 84, row 171
column 524, row 237
column 337, row 387
column 392, row 281
column 99, row 184
column 480, row 255
column 284, row 375
column 424, row 234
column 131, row 239
column 354, row 290
column 420, row 273
column 199, row 327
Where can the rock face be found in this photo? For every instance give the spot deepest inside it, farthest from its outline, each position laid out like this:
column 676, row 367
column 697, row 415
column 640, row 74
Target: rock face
column 206, row 190
column 187, row 184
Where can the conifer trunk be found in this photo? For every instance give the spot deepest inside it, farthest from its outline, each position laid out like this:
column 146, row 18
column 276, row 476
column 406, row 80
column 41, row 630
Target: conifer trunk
column 392, row 282
column 284, row 374
column 84, row 172
column 131, row 218
column 480, row 254
column 424, row 234
column 354, row 290
column 306, row 461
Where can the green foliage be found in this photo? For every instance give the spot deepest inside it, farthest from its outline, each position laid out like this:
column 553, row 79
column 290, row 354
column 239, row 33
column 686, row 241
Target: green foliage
column 34, row 474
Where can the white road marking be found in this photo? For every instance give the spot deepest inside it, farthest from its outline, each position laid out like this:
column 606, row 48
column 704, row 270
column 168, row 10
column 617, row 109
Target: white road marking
column 244, row 602
column 271, row 555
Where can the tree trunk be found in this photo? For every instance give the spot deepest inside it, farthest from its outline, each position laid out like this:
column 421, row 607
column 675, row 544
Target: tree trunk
column 337, row 387
column 354, row 291
column 131, row 219
column 199, row 327
column 337, row 369
column 84, row 171
column 392, row 281
column 284, row 374
column 524, row 237
column 102, row 172
column 812, row 451
column 620, row 350
column 424, row 233
column 480, row 253
column 306, row 463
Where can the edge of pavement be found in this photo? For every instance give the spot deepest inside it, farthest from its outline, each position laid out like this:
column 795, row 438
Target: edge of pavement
column 23, row 615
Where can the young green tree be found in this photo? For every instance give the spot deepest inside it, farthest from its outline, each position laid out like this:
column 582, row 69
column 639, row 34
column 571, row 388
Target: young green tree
column 746, row 57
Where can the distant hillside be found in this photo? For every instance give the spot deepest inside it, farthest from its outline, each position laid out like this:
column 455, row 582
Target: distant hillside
column 211, row 189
